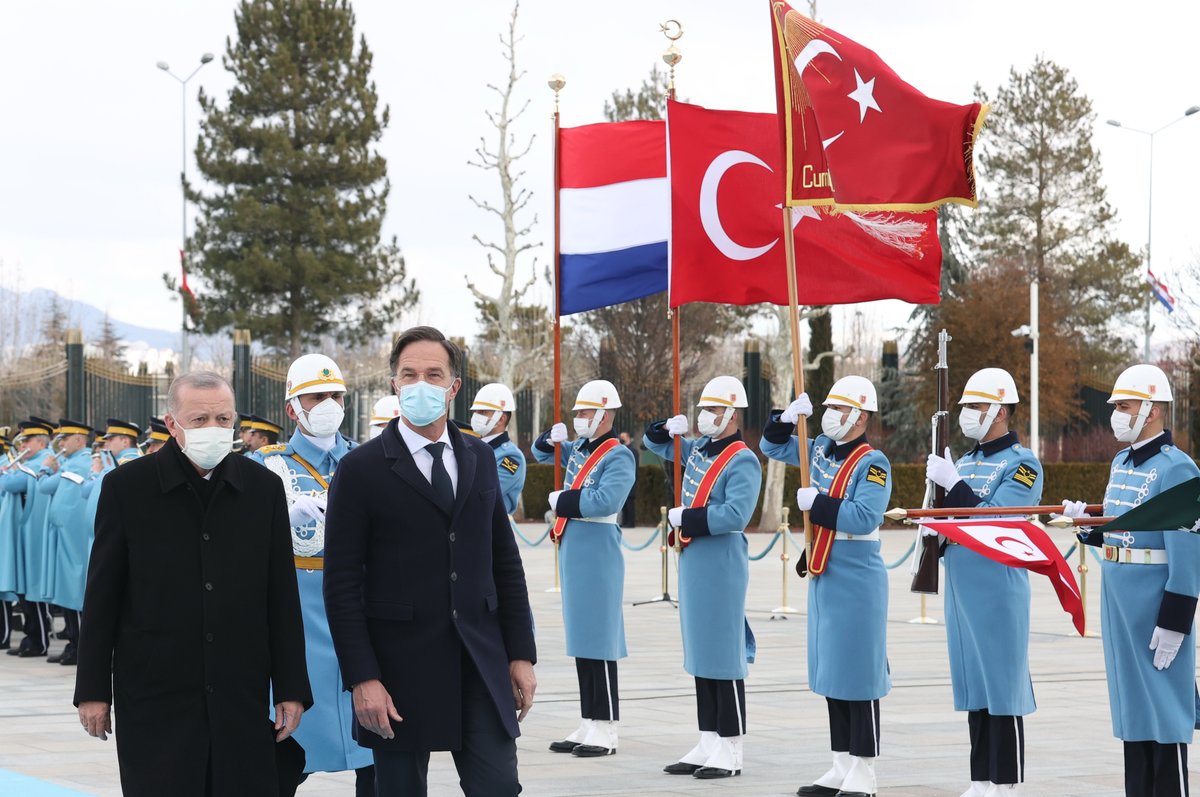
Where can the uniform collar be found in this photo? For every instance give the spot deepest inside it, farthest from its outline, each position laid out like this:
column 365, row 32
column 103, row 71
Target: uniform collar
column 589, row 446
column 999, row 444
column 498, row 440
column 840, row 451
column 1136, row 456
column 714, row 447
column 312, row 454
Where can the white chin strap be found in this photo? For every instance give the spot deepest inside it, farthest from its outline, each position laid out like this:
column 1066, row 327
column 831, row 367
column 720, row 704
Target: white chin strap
column 1139, row 421
column 725, row 418
column 851, row 418
column 594, row 426
column 301, row 416
column 985, row 423
column 491, row 424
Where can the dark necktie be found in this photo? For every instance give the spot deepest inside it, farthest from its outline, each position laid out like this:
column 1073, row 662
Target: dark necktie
column 440, row 478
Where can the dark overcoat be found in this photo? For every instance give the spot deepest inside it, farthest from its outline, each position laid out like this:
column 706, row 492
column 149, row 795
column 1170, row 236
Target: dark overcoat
column 409, row 588
column 191, row 617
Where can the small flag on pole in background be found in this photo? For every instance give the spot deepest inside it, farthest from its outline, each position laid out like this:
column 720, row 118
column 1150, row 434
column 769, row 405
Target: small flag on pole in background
column 1160, row 291
column 614, row 213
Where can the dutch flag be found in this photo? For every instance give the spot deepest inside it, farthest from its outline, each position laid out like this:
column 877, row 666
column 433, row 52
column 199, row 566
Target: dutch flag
column 614, row 214
column 1160, row 291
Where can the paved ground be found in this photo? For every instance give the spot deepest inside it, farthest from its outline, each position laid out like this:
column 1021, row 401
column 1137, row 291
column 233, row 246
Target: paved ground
column 1070, row 749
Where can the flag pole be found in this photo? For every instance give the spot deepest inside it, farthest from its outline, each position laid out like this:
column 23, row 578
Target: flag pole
column 556, row 83
column 789, row 248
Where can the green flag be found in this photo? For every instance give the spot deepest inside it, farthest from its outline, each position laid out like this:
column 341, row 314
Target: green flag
column 1174, row 509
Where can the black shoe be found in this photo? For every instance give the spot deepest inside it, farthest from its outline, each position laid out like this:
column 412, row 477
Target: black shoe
column 4, row 645
column 55, row 659
column 68, row 658
column 815, row 790
column 712, row 773
column 563, row 746
column 680, row 768
column 27, row 653
column 62, row 635
column 14, row 652
column 592, row 751
column 854, row 794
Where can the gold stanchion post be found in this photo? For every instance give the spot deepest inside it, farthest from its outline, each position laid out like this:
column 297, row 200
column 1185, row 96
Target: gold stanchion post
column 556, row 587
column 665, row 597
column 1083, row 571
column 783, row 610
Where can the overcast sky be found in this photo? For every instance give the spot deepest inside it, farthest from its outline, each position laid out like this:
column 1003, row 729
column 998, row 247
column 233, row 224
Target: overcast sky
column 90, row 141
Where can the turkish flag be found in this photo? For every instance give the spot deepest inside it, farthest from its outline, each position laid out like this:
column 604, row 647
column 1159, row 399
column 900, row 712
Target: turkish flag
column 727, row 227
column 858, row 136
column 1018, row 543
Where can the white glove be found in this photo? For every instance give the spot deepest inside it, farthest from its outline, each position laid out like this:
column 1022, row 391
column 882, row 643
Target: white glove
column 677, row 426
column 941, row 470
column 1165, row 645
column 805, row 497
column 553, row 499
column 675, row 516
column 558, row 433
column 801, row 406
column 928, row 532
column 1074, row 509
column 306, row 508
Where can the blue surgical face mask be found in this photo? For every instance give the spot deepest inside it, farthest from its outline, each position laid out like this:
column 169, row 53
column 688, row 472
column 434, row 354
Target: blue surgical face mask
column 422, row 403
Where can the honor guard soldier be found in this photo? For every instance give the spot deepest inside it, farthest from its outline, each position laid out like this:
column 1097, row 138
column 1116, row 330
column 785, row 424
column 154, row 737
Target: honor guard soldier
column 491, row 412
column 67, row 543
column 262, row 433
column 1148, row 593
column 848, row 586
column 245, row 427
column 306, row 464
column 599, row 472
column 987, row 603
column 157, row 437
column 8, row 545
column 721, row 481
column 28, row 518
column 382, row 413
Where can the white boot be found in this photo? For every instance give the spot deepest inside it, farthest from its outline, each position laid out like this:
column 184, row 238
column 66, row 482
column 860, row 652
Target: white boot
column 601, row 740
column 861, row 777
column 978, row 788
column 837, row 773
column 724, row 761
column 1003, row 790
column 577, row 736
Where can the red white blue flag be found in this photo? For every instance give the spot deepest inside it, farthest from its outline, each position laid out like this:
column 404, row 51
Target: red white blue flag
column 614, row 214
column 1160, row 291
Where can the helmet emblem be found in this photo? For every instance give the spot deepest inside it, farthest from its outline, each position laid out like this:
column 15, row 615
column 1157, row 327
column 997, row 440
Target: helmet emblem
column 1000, row 392
column 604, row 401
column 1153, row 388
column 289, row 385
column 326, row 373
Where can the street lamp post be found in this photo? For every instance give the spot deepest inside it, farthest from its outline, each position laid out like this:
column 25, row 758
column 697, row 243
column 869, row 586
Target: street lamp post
column 185, row 351
column 1150, row 214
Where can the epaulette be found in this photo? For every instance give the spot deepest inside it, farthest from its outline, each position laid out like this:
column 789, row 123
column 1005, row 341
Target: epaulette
column 276, row 448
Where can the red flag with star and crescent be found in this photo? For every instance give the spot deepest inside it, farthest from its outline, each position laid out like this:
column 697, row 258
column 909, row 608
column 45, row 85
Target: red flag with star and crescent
column 855, row 134
column 725, row 225
column 1018, row 543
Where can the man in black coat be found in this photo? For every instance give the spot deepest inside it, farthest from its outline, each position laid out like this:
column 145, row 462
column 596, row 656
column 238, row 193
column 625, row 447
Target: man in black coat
column 193, row 616
column 425, row 591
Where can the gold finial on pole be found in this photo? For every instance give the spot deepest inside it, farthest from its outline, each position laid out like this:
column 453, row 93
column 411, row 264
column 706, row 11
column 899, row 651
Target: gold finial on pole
column 556, row 82
column 673, row 30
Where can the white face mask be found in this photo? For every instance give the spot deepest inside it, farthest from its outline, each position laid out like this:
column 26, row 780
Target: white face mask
column 832, row 425
column 708, row 425
column 975, row 423
column 1127, row 427
column 207, row 446
column 482, row 424
column 586, row 429
column 322, row 420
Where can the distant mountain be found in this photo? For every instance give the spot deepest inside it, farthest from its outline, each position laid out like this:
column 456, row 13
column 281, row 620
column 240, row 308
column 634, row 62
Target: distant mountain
column 33, row 308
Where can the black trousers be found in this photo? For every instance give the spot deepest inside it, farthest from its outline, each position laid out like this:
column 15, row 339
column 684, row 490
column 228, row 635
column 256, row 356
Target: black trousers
column 71, row 618
column 997, row 747
column 721, row 706
column 598, row 695
column 36, row 625
column 854, row 727
column 1155, row 770
column 487, row 762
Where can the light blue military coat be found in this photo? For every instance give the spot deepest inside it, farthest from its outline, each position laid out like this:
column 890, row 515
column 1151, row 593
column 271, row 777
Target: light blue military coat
column 714, row 570
column 325, row 732
column 987, row 603
column 847, row 604
column 591, row 564
column 12, row 576
column 93, row 486
column 67, row 542
column 1149, row 704
column 30, row 520
column 510, row 467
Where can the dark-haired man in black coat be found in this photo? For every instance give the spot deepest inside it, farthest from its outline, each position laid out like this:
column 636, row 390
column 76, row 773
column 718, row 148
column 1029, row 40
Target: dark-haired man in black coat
column 425, row 591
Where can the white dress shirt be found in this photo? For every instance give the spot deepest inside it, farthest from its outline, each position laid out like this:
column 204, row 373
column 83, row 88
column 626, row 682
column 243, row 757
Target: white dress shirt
column 416, row 446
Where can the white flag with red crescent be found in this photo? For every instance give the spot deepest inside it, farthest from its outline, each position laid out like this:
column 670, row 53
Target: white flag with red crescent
column 1018, row 543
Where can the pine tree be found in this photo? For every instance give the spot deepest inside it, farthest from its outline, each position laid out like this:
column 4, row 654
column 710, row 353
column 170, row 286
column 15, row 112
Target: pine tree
column 112, row 348
column 287, row 243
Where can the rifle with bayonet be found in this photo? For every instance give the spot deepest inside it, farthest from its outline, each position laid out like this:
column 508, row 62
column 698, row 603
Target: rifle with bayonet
column 925, row 576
